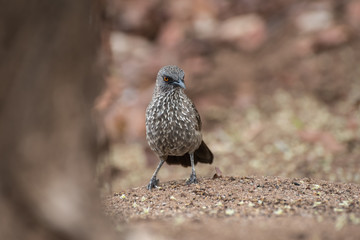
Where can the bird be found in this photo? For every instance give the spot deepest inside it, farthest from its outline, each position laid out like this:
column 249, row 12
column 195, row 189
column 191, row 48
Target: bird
column 173, row 125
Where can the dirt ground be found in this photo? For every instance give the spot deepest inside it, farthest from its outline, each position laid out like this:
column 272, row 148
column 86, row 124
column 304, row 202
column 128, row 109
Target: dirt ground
column 238, row 208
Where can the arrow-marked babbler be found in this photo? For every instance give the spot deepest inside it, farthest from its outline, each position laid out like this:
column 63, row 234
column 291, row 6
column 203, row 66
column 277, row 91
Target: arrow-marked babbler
column 173, row 125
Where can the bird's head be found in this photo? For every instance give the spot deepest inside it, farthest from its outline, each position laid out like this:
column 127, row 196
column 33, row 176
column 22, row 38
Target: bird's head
column 169, row 78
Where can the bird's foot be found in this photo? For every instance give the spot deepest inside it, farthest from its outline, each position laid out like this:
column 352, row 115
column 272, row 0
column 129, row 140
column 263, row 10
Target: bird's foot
column 192, row 179
column 153, row 183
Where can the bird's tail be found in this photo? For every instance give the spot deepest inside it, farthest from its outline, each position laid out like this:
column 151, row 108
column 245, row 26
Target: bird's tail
column 202, row 154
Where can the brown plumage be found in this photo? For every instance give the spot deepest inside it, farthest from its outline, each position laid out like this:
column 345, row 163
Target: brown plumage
column 173, row 125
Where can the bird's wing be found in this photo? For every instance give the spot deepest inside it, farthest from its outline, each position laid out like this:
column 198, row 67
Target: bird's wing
column 197, row 116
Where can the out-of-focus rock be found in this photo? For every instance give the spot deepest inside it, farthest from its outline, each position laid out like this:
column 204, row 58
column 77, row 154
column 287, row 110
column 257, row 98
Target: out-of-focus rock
column 204, row 18
column 328, row 38
column 205, row 25
column 136, row 16
column 172, row 34
column 315, row 17
column 131, row 54
column 353, row 13
column 247, row 32
column 332, row 37
column 124, row 46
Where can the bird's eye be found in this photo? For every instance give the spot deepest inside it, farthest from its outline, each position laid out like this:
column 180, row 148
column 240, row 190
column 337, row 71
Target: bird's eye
column 166, row 79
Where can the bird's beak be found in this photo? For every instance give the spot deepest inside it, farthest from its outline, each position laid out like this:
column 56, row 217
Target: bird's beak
column 180, row 83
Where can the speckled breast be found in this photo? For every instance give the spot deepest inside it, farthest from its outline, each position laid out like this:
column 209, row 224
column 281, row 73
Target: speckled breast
column 171, row 124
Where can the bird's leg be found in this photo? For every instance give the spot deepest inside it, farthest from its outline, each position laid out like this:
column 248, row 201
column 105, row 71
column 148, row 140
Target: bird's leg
column 153, row 181
column 192, row 178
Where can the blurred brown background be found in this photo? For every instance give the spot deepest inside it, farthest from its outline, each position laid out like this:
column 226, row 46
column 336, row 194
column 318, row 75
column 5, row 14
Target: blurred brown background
column 276, row 84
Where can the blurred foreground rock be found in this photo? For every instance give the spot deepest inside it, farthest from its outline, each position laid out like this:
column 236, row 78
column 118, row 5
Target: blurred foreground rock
column 247, row 32
column 50, row 73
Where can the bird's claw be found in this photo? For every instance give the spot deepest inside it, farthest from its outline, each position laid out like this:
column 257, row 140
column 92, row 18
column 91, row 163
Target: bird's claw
column 153, row 183
column 192, row 179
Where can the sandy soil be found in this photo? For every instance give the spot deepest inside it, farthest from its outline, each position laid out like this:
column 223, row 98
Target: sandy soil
column 238, row 207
